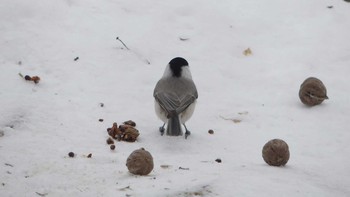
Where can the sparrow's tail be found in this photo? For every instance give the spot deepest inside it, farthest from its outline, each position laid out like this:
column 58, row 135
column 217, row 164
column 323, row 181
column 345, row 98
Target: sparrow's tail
column 174, row 126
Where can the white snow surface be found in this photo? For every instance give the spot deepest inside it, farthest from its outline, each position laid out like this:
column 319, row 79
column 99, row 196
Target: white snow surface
column 290, row 41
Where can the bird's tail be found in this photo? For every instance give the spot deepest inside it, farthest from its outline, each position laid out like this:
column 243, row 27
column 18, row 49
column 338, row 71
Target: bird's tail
column 174, row 126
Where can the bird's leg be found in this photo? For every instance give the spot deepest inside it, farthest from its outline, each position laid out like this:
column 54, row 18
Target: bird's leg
column 161, row 129
column 187, row 133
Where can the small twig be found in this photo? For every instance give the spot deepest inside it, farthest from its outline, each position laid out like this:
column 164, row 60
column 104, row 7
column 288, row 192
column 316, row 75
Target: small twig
column 231, row 119
column 224, row 118
column 165, row 166
column 137, row 54
column 147, row 61
column 20, row 74
column 181, row 168
column 7, row 164
column 125, row 188
column 40, row 194
column 122, row 43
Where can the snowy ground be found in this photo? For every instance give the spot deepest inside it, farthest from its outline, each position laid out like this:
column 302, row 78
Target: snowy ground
column 290, row 41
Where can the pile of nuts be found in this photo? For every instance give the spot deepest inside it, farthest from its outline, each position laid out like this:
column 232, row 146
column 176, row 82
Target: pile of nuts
column 125, row 132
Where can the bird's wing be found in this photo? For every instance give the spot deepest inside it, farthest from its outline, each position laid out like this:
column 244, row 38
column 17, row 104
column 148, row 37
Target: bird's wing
column 172, row 103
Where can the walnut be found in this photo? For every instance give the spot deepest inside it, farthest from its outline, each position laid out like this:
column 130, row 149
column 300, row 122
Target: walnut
column 276, row 152
column 140, row 162
column 130, row 134
column 130, row 122
column 312, row 92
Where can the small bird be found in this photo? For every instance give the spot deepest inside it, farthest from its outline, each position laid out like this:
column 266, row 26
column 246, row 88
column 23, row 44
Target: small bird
column 175, row 97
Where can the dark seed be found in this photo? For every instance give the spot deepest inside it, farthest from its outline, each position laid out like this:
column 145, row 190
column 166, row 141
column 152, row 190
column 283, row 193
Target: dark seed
column 71, row 154
column 110, row 141
column 28, row 78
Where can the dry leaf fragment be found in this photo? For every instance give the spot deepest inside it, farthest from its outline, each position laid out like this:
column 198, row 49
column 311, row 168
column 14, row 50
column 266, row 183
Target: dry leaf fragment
column 165, row 166
column 232, row 119
column 247, row 52
column 243, row 113
column 36, row 79
column 236, row 120
column 125, row 188
column 183, row 39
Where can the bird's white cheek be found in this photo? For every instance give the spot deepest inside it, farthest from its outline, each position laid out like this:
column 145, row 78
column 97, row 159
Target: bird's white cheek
column 186, row 73
column 160, row 112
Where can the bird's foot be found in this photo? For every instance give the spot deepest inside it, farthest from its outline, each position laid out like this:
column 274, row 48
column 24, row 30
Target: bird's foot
column 161, row 130
column 187, row 133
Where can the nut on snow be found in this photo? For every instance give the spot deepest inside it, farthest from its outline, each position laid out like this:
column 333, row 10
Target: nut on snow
column 71, row 154
column 130, row 134
column 140, row 162
column 276, row 152
column 312, row 92
column 130, row 123
column 109, row 141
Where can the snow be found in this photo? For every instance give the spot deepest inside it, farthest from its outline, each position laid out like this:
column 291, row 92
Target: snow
column 290, row 41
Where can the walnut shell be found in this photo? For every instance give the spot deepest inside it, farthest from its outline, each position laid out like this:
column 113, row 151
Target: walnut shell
column 312, row 92
column 114, row 132
column 130, row 123
column 110, row 141
column 36, row 79
column 276, row 152
column 140, row 162
column 130, row 134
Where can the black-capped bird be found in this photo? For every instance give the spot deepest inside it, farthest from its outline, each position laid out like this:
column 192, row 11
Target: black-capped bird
column 175, row 97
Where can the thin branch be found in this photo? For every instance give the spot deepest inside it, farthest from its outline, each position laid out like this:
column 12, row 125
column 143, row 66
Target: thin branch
column 122, row 43
column 231, row 119
column 7, row 164
column 137, row 54
column 42, row 194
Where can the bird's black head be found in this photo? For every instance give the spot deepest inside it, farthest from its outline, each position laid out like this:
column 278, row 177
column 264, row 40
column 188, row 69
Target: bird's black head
column 176, row 65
